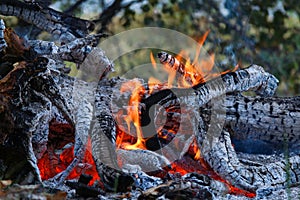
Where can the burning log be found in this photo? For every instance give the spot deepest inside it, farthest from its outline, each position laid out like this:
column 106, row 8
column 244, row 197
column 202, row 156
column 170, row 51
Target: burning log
column 253, row 78
column 103, row 139
column 55, row 112
column 236, row 81
column 257, row 126
column 222, row 157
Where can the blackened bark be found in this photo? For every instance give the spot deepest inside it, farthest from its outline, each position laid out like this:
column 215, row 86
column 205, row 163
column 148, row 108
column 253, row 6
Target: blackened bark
column 63, row 26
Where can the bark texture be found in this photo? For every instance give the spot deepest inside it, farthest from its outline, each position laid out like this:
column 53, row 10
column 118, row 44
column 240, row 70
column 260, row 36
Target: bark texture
column 34, row 90
column 64, row 27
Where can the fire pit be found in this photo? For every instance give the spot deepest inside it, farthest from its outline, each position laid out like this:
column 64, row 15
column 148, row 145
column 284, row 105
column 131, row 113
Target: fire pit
column 202, row 138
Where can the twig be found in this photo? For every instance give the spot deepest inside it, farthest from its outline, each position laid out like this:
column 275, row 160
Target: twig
column 71, row 9
column 111, row 11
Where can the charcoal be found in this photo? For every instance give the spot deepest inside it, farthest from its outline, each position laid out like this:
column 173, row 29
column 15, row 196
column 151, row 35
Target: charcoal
column 85, row 179
column 84, row 190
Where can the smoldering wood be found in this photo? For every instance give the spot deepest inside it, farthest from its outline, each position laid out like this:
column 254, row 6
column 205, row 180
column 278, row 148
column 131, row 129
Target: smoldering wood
column 35, row 84
column 50, row 94
column 148, row 161
column 272, row 125
column 103, row 139
column 266, row 116
column 272, row 120
column 253, row 77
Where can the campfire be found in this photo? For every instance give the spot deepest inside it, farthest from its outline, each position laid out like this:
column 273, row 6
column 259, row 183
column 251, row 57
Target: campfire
column 139, row 139
column 185, row 74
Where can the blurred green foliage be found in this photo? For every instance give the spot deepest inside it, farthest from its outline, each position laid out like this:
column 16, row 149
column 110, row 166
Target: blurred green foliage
column 263, row 32
column 244, row 32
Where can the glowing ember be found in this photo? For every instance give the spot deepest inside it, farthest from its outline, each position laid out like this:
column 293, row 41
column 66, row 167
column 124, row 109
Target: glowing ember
column 59, row 155
column 188, row 164
column 186, row 74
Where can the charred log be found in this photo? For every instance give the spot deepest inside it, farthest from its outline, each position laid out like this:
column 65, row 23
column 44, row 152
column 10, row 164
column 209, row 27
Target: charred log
column 82, row 189
column 252, row 78
column 36, row 98
column 3, row 44
column 271, row 126
column 61, row 25
column 104, row 142
column 37, row 93
column 273, row 120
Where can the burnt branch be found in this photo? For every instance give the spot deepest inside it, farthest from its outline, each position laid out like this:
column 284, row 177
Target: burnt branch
column 252, row 78
column 75, row 51
column 270, row 124
column 60, row 25
column 2, row 41
column 71, row 9
column 38, row 93
column 25, row 28
column 104, row 140
column 224, row 160
column 266, row 118
column 35, row 96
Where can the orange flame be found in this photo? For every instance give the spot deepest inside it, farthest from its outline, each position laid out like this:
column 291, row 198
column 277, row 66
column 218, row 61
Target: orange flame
column 186, row 74
column 153, row 61
column 153, row 83
column 133, row 112
column 198, row 50
column 189, row 73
